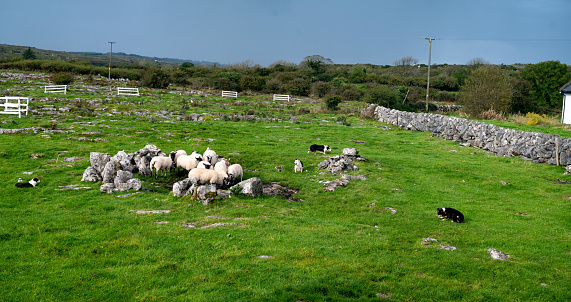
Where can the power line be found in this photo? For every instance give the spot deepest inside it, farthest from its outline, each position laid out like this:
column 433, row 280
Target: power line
column 509, row 39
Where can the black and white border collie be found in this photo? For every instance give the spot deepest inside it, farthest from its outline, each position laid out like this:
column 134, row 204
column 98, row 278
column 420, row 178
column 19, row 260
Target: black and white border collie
column 320, row 148
column 31, row 183
column 298, row 166
column 450, row 213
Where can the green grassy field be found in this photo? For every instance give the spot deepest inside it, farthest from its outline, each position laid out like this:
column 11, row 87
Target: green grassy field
column 346, row 245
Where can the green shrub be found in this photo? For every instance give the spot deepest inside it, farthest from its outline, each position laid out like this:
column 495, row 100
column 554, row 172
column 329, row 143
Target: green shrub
column 332, row 102
column 63, row 78
column 486, row 88
column 155, row 78
column 381, row 95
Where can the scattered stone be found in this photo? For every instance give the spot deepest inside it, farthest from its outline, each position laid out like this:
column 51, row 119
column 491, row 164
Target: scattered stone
column 180, row 188
column 207, row 193
column 91, row 174
column 161, row 222
column 110, row 171
column 428, row 239
column 217, row 225
column 36, row 156
column 122, row 177
column 497, row 255
column 71, row 159
column 151, row 211
column 72, row 187
column 127, row 195
column 275, row 189
column 28, row 173
column 107, row 188
column 265, row 257
column 352, row 177
column 98, row 161
column 383, row 295
column 332, row 185
column 350, row 151
column 447, row 247
column 251, row 187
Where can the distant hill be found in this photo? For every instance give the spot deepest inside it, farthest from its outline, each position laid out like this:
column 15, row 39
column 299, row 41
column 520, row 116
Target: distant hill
column 95, row 58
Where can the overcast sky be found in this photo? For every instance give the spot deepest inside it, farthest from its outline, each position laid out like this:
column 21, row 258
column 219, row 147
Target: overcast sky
column 264, row 31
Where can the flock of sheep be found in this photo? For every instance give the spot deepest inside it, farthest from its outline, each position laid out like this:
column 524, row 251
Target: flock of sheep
column 208, row 168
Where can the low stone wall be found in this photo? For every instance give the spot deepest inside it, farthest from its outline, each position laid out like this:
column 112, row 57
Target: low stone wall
column 537, row 147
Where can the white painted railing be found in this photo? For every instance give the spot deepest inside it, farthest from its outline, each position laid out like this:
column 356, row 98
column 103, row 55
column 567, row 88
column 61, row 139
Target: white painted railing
column 282, row 97
column 14, row 105
column 230, row 94
column 55, row 89
column 127, row 91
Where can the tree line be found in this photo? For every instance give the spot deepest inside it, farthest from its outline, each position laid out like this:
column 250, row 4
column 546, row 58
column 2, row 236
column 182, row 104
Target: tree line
column 478, row 85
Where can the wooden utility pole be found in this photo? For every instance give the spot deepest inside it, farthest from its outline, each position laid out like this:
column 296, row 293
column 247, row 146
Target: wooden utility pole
column 429, row 55
column 110, row 53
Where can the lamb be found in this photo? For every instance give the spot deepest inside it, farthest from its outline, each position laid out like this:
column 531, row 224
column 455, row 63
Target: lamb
column 204, row 165
column 159, row 163
column 187, row 162
column 234, row 171
column 221, row 168
column 210, row 156
column 175, row 155
column 206, row 176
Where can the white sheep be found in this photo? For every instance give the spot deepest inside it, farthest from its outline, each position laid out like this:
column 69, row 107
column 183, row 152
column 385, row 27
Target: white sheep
column 204, row 165
column 210, row 156
column 234, row 171
column 187, row 162
column 175, row 155
column 221, row 168
column 206, row 176
column 159, row 163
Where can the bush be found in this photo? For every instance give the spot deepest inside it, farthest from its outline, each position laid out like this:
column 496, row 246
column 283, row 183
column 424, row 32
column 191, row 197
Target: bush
column 381, row 95
column 155, row 78
column 63, row 78
column 320, row 89
column 332, row 102
column 486, row 88
column 298, row 86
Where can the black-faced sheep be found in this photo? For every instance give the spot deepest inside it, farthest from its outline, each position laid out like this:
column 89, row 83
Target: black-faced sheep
column 234, row 171
column 210, row 156
column 187, row 162
column 175, row 155
column 160, row 163
column 206, row 176
column 204, row 165
column 221, row 168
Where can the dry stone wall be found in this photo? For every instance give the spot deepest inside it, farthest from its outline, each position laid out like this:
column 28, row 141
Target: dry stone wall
column 537, row 147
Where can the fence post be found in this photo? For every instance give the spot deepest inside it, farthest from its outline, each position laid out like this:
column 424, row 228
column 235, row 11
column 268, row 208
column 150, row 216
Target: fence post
column 557, row 149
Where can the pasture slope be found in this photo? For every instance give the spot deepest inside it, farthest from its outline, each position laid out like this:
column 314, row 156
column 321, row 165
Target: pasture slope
column 67, row 241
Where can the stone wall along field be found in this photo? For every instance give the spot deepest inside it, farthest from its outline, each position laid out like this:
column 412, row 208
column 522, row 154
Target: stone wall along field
column 533, row 146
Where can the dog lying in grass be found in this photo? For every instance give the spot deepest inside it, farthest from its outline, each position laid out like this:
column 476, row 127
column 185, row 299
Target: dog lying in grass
column 30, row 184
column 320, row 148
column 450, row 213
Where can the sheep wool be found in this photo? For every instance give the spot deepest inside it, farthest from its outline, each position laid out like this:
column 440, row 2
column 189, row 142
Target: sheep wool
column 210, row 156
column 187, row 162
column 160, row 163
column 235, row 170
column 206, row 176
